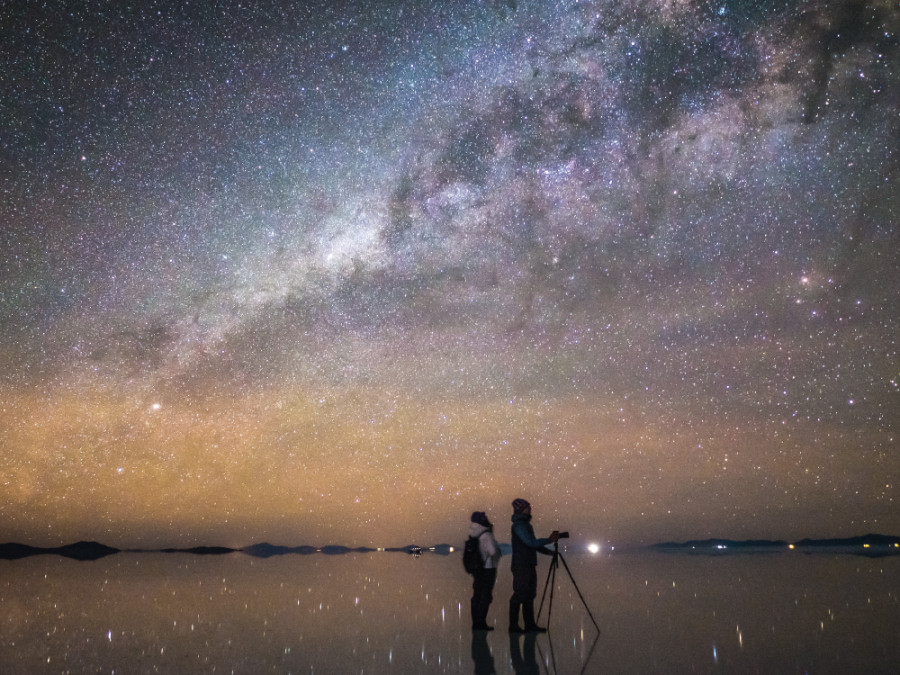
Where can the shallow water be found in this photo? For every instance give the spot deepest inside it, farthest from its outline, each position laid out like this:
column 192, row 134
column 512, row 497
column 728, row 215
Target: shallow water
column 394, row 613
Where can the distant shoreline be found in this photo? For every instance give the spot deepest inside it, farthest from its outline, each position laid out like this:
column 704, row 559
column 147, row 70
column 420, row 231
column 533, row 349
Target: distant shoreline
column 92, row 550
column 869, row 545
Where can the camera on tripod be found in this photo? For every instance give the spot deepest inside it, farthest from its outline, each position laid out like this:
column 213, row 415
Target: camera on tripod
column 551, row 579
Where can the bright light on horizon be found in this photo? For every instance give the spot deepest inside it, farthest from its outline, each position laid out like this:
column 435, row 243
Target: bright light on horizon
column 594, row 548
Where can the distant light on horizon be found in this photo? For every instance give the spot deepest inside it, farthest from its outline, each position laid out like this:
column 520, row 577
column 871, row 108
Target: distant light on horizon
column 594, row 548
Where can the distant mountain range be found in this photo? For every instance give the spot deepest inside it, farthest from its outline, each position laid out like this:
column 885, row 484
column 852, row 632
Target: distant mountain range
column 83, row 550
column 92, row 550
column 869, row 545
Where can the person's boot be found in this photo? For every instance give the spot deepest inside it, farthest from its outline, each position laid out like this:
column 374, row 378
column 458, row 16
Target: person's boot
column 479, row 617
column 514, row 617
column 528, row 614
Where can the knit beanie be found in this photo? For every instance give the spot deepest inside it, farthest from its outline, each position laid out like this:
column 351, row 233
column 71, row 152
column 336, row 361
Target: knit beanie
column 481, row 518
column 520, row 505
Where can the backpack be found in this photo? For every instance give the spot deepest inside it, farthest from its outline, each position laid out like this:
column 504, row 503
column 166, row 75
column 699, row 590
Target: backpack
column 472, row 560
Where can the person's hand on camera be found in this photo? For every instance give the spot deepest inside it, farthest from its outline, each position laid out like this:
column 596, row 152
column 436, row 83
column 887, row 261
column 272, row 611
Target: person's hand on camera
column 554, row 536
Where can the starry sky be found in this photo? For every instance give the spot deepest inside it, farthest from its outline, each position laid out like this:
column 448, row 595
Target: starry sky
column 343, row 272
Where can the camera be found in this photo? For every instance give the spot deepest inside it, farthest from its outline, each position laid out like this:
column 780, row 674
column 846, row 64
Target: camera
column 563, row 535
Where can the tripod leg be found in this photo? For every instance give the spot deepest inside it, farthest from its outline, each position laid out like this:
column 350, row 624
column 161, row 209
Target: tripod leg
column 583, row 602
column 590, row 653
column 555, row 565
column 551, row 574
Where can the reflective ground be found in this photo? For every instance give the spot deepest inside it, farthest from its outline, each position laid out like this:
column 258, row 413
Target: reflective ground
column 393, row 613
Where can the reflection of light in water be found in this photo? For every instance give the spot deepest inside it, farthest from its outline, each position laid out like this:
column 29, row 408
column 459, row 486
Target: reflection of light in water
column 313, row 612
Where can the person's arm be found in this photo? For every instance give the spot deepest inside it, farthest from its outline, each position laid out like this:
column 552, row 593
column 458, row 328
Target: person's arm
column 526, row 534
column 493, row 549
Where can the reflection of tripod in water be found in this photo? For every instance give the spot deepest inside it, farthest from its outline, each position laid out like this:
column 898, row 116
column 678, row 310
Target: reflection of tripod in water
column 551, row 582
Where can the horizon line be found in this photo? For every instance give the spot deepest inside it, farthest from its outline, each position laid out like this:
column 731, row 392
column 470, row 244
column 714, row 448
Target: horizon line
column 93, row 550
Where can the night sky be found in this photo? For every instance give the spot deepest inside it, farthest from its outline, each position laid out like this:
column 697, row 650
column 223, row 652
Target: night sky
column 343, row 272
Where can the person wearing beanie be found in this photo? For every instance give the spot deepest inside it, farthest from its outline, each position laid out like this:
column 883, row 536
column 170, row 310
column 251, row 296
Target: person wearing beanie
column 525, row 547
column 485, row 578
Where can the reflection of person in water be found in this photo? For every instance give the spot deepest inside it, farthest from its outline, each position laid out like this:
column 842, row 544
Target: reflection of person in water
column 525, row 547
column 485, row 578
column 527, row 663
column 481, row 654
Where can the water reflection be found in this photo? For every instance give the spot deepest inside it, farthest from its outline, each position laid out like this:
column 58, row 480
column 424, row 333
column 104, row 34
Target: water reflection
column 392, row 613
column 524, row 659
column 481, row 654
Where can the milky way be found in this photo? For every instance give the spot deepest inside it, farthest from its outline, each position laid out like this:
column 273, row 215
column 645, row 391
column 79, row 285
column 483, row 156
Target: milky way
column 345, row 272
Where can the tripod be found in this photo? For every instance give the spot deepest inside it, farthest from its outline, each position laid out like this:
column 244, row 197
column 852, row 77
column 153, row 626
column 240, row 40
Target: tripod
column 551, row 582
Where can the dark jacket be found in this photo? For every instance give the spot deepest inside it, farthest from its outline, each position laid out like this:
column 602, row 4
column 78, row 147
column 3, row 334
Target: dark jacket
column 525, row 545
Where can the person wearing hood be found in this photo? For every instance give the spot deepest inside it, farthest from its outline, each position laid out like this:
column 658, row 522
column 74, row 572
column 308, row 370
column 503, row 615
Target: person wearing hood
column 525, row 547
column 485, row 578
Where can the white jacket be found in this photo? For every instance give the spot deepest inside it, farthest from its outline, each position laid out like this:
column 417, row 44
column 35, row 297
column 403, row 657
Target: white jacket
column 487, row 545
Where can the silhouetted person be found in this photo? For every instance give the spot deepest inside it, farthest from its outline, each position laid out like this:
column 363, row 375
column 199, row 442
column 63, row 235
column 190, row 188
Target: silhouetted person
column 525, row 547
column 485, row 578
